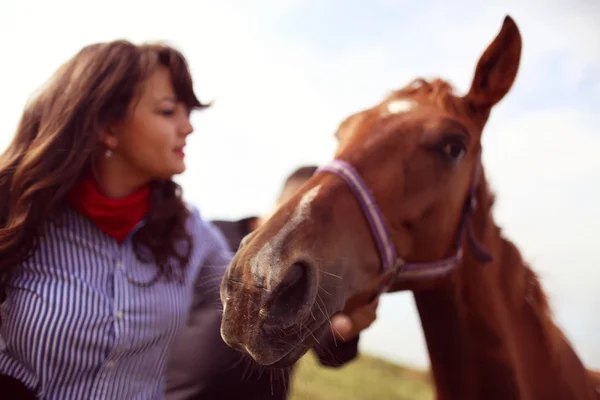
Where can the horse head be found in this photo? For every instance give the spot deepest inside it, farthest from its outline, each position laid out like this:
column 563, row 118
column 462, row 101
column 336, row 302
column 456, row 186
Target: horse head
column 391, row 212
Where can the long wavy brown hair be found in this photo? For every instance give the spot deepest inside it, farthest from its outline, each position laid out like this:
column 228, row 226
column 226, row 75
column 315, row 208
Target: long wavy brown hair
column 58, row 138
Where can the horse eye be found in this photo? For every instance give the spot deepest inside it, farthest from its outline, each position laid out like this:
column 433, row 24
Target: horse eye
column 454, row 149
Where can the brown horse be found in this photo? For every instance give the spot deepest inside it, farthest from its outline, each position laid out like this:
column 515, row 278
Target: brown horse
column 405, row 206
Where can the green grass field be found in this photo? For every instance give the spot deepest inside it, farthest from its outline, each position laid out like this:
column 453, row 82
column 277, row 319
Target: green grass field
column 365, row 378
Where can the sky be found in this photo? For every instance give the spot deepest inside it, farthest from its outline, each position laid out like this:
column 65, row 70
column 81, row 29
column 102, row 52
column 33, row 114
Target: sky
column 283, row 74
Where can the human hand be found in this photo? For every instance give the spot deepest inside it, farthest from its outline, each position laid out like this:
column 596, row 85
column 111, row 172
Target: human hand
column 346, row 327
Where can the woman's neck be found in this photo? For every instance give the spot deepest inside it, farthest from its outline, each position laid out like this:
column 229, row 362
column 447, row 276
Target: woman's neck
column 115, row 215
column 116, row 180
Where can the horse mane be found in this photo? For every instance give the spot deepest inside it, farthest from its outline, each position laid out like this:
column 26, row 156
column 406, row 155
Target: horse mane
column 519, row 281
column 439, row 91
column 527, row 291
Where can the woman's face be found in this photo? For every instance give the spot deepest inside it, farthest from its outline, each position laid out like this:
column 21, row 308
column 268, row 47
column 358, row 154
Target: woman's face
column 149, row 143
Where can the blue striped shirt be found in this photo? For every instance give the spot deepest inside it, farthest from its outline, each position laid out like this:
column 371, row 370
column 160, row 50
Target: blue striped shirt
column 75, row 327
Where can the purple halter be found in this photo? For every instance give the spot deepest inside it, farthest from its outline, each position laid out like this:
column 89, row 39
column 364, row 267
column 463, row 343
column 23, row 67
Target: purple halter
column 407, row 272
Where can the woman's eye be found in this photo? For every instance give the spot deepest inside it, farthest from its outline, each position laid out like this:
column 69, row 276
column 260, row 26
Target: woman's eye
column 168, row 113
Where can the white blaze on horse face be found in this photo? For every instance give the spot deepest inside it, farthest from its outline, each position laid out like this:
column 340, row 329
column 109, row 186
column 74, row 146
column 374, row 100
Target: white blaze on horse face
column 268, row 258
column 400, row 106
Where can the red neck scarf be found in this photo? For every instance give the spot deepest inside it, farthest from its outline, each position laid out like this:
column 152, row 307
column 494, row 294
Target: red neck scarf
column 115, row 217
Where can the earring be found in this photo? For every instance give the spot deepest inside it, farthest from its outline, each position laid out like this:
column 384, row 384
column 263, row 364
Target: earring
column 108, row 153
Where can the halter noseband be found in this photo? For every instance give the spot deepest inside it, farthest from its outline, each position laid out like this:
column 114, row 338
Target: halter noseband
column 408, row 272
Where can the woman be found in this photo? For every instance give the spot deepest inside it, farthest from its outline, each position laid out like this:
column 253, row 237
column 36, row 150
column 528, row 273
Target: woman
column 99, row 255
column 98, row 251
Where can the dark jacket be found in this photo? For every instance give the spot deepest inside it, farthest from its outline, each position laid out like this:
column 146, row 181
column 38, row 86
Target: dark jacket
column 11, row 388
column 220, row 372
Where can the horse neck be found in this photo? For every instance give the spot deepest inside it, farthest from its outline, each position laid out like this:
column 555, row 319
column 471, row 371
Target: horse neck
column 496, row 317
column 447, row 346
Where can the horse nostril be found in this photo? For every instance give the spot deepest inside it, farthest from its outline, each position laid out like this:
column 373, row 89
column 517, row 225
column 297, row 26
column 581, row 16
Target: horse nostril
column 295, row 275
column 291, row 298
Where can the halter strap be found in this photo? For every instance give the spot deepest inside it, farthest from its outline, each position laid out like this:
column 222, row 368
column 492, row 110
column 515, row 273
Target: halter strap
column 383, row 239
column 390, row 260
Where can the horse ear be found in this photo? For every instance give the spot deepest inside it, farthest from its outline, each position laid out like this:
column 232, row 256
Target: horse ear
column 497, row 68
